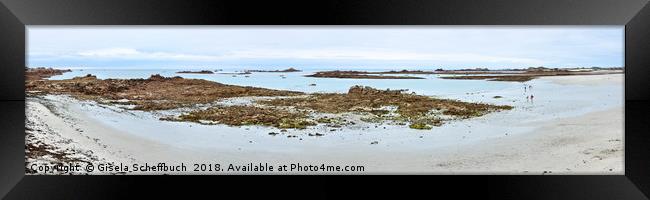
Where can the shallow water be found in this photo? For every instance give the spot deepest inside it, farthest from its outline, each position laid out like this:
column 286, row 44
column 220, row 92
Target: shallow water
column 551, row 101
column 297, row 81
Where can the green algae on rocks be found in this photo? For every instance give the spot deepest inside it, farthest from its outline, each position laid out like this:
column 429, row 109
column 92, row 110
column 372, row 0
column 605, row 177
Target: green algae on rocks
column 247, row 115
column 410, row 107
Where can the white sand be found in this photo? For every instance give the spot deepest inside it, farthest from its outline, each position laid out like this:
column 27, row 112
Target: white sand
column 585, row 144
column 589, row 144
column 87, row 140
column 589, row 80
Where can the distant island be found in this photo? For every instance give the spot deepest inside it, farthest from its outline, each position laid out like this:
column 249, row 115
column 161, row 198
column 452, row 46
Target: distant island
column 236, row 73
column 244, row 72
column 358, row 75
column 529, row 69
column 196, row 72
column 517, row 75
column 525, row 74
column 291, row 69
column 404, row 71
column 43, row 73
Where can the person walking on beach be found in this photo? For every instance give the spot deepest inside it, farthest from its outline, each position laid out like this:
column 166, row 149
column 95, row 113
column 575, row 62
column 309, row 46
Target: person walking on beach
column 531, row 98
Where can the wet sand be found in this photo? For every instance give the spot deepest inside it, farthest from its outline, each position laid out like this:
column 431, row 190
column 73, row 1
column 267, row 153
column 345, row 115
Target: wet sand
column 588, row 144
column 593, row 80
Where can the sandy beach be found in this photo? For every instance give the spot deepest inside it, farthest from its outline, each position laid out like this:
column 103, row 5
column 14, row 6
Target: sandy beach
column 588, row 143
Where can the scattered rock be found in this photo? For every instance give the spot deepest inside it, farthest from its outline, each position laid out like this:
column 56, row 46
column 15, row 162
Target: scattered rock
column 154, row 93
column 249, row 115
column 420, row 126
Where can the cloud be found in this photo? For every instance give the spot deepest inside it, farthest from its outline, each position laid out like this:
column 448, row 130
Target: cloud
column 303, row 54
column 133, row 54
column 114, row 52
column 364, row 46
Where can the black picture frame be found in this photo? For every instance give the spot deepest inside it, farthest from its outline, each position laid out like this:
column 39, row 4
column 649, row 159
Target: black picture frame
column 634, row 14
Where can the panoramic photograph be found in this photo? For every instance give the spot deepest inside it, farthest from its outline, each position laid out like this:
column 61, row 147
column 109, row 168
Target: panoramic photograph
column 210, row 100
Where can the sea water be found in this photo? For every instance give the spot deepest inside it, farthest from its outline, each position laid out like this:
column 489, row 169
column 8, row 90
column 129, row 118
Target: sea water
column 551, row 101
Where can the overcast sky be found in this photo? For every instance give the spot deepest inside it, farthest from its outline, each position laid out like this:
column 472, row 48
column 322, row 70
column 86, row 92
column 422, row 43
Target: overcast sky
column 324, row 47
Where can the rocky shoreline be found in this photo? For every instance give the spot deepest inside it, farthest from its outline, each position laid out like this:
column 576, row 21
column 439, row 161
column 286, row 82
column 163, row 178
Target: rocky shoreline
column 154, row 93
column 40, row 73
column 166, row 93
